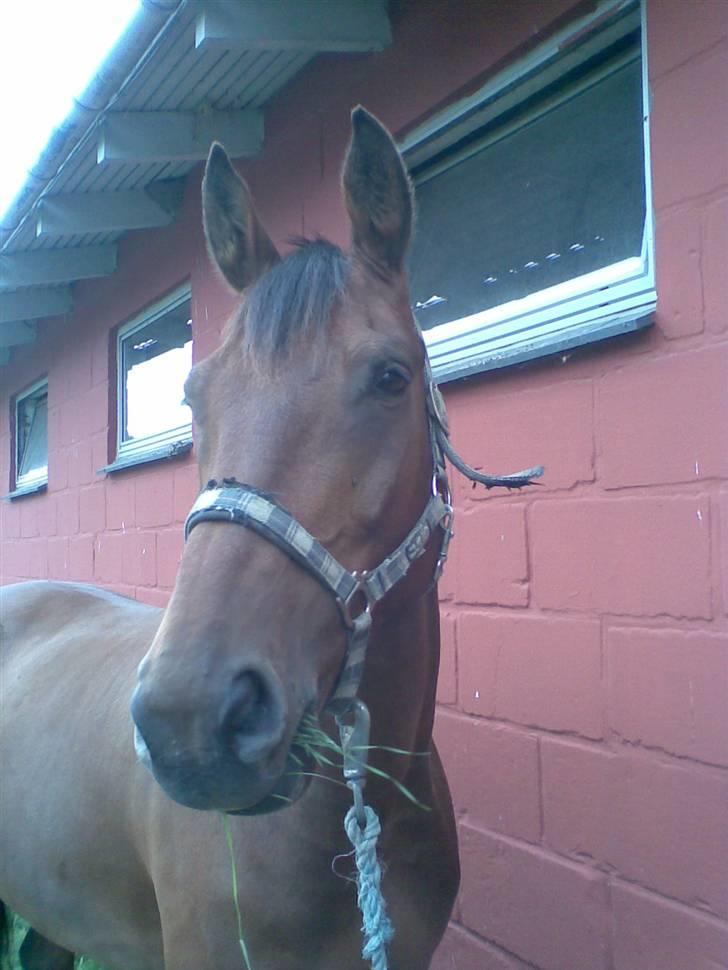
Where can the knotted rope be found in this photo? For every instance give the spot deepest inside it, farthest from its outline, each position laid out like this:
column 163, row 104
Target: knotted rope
column 376, row 925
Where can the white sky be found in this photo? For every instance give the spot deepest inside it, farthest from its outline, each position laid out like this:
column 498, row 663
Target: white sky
column 49, row 51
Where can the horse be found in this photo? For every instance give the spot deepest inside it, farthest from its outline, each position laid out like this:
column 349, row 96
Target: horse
column 317, row 398
column 167, row 800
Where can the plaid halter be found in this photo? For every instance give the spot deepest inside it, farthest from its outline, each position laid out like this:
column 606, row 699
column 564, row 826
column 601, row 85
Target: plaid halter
column 233, row 501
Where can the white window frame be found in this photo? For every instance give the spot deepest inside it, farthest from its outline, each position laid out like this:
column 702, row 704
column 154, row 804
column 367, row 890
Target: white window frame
column 166, row 443
column 616, row 299
column 38, row 478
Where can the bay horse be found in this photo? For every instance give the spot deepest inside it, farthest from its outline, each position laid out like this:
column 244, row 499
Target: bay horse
column 318, row 397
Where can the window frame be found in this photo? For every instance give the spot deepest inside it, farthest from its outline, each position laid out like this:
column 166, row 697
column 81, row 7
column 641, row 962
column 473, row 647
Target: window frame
column 615, row 299
column 163, row 444
column 37, row 480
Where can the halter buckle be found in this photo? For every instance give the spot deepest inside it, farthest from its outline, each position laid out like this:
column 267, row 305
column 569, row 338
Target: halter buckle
column 361, row 589
column 447, row 534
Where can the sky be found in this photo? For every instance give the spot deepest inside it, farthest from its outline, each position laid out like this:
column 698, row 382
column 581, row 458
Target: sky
column 49, row 51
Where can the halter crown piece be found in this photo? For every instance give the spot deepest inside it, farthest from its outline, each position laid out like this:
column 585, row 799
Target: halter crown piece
column 356, row 593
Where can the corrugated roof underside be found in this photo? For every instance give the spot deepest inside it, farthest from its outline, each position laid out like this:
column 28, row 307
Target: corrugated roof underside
column 178, row 77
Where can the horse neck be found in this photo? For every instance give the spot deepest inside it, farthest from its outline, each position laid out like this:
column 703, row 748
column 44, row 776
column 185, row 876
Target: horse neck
column 399, row 685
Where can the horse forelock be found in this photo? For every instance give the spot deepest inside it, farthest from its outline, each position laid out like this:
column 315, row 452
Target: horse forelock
column 294, row 297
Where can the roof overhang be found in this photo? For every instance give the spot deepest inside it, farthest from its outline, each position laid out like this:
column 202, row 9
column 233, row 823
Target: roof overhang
column 185, row 72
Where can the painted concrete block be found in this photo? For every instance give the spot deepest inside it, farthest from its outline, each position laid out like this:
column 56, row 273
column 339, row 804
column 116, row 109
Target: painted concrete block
column 722, row 557
column 37, row 550
column 9, row 520
column 58, row 558
column 29, row 518
column 679, row 279
column 653, row 933
column 715, row 278
column 92, row 502
column 81, row 559
column 47, row 521
column 139, row 558
column 447, row 679
column 16, row 558
column 493, row 774
column 107, row 558
column 669, row 689
column 678, row 31
column 170, row 543
column 662, row 825
column 506, row 427
column 154, row 496
column 186, row 488
column 120, row 513
column 461, row 950
column 68, row 512
column 81, row 469
column 151, row 595
column 657, row 419
column 490, row 556
column 547, row 911
column 538, row 671
column 688, row 128
column 641, row 556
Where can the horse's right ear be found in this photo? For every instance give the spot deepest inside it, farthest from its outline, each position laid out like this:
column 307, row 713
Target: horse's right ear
column 236, row 240
column 377, row 193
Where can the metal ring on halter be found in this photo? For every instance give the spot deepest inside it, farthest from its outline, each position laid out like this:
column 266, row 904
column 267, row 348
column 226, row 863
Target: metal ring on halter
column 361, row 588
column 441, row 487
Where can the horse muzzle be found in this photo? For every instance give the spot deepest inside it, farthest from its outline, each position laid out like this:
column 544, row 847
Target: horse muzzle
column 231, row 755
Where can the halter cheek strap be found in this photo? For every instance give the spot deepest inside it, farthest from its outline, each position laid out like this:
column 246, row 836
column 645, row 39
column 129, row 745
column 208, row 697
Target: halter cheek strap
column 233, row 501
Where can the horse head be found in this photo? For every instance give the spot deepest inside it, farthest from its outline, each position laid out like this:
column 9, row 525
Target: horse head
column 317, row 400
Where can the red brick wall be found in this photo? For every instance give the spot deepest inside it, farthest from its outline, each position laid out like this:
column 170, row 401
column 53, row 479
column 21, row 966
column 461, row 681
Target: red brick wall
column 585, row 675
column 584, row 678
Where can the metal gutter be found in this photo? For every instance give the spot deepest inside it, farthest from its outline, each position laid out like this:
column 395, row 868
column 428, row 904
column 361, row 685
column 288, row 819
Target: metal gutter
column 125, row 57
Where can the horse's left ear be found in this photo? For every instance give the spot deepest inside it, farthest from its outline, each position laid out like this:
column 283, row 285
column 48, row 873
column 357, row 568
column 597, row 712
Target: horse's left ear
column 377, row 193
column 236, row 239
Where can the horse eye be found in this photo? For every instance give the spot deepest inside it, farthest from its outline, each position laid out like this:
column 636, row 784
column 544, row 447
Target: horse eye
column 392, row 382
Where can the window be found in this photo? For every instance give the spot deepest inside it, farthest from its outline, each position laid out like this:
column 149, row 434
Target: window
column 154, row 356
column 31, row 438
column 534, row 228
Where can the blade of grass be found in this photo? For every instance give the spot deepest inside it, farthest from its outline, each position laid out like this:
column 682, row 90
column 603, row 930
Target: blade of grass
column 236, row 901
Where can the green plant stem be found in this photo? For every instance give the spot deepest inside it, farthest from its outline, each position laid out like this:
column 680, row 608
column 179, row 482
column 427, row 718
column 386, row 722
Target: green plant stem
column 236, row 901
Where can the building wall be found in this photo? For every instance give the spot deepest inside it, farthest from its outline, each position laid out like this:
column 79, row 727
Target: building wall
column 584, row 677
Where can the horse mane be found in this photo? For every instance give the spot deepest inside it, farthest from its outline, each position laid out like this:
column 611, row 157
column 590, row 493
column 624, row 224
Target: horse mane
column 295, row 296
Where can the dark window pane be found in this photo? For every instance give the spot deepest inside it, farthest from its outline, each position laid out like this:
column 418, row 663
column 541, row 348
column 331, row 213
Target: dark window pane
column 32, row 434
column 558, row 197
column 156, row 359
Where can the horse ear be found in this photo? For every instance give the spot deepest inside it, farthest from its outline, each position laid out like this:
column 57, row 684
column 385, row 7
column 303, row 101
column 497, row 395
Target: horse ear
column 236, row 240
column 377, row 193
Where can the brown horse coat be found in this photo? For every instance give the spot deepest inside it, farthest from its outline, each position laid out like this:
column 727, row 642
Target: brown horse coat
column 92, row 851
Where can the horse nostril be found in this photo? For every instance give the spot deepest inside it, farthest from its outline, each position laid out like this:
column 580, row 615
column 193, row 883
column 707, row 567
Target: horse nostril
column 252, row 721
